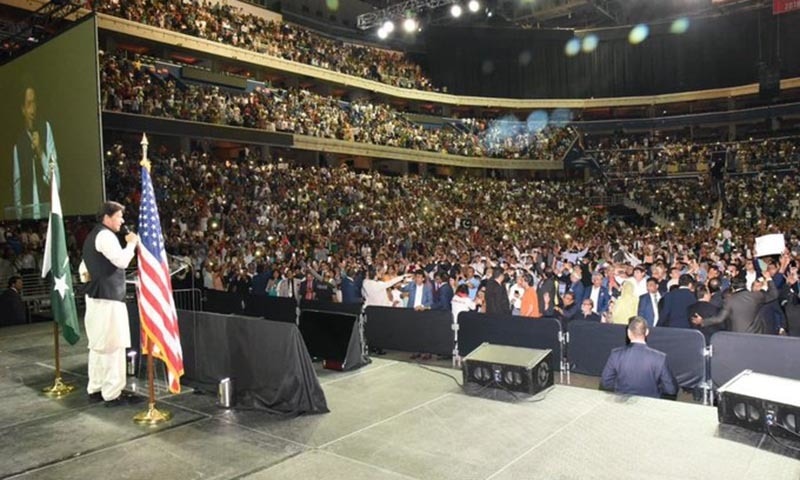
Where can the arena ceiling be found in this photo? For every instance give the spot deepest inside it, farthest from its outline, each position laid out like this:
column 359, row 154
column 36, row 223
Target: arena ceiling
column 580, row 14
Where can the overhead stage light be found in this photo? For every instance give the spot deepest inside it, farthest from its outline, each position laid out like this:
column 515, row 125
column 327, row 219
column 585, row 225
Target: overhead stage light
column 589, row 43
column 680, row 25
column 382, row 33
column 456, row 10
column 474, row 6
column 638, row 34
column 410, row 25
column 388, row 26
column 573, row 47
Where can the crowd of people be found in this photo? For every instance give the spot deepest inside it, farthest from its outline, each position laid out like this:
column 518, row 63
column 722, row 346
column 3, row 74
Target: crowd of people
column 653, row 155
column 227, row 24
column 693, row 201
column 266, row 228
column 134, row 87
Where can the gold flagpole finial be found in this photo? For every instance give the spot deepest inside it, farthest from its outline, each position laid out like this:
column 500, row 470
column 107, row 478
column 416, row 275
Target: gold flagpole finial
column 144, row 143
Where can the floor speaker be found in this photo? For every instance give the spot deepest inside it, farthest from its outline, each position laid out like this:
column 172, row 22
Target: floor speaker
column 516, row 369
column 763, row 403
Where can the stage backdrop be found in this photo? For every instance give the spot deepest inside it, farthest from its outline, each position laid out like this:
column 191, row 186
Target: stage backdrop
column 56, row 86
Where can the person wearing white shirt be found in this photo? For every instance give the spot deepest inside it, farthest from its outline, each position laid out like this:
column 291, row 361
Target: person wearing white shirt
column 375, row 292
column 107, row 330
column 515, row 296
column 640, row 281
column 461, row 302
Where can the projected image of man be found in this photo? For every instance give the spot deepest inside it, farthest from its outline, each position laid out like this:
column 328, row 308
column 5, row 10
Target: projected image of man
column 34, row 151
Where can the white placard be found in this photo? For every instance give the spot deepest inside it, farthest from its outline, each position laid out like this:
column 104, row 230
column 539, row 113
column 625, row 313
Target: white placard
column 772, row 244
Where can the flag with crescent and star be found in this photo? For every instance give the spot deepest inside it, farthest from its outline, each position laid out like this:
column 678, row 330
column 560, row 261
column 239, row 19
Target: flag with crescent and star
column 62, row 297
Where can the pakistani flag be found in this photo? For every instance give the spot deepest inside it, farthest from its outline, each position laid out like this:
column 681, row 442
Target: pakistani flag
column 62, row 298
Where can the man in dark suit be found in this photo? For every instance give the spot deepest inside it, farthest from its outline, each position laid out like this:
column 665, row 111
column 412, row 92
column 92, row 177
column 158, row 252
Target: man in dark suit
column 496, row 296
column 715, row 289
column 637, row 369
column 352, row 281
column 742, row 307
column 11, row 303
column 790, row 300
column 420, row 293
column 568, row 310
column 577, row 288
column 648, row 303
column 442, row 292
column 675, row 311
column 598, row 294
column 705, row 308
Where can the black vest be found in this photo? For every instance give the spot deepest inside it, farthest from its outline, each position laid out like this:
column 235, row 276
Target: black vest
column 107, row 281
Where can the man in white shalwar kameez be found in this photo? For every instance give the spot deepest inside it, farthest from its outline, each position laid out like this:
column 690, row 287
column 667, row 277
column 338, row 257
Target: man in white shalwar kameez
column 103, row 267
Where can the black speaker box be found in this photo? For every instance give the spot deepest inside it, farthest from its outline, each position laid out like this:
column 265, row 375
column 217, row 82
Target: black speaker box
column 763, row 403
column 524, row 370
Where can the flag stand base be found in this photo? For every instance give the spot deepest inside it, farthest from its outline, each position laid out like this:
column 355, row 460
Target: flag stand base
column 58, row 389
column 152, row 416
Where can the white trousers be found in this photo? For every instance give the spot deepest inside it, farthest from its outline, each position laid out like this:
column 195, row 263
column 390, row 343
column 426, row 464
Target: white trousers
column 107, row 373
column 109, row 336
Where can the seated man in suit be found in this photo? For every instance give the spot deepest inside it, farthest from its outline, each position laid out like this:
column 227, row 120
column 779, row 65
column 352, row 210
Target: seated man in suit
column 637, row 369
column 11, row 303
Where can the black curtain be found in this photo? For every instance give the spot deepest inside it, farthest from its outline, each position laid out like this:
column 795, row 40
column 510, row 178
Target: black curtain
column 713, row 53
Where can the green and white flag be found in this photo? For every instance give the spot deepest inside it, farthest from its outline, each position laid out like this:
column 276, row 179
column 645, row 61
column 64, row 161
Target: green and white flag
column 62, row 298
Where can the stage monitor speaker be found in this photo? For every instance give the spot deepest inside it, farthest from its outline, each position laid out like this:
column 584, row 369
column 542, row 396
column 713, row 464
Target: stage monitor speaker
column 763, row 403
column 516, row 369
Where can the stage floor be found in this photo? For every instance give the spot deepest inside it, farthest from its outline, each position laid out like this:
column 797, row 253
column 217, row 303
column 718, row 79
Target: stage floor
column 389, row 420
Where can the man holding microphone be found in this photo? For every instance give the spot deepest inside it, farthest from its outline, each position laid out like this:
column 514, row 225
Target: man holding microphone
column 103, row 267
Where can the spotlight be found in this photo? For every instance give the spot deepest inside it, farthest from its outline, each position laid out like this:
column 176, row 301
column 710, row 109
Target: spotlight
column 680, row 25
column 382, row 33
column 589, row 43
column 638, row 34
column 388, row 26
column 474, row 6
column 573, row 47
column 409, row 25
column 455, row 11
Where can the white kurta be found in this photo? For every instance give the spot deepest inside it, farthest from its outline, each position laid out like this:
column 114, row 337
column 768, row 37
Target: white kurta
column 107, row 326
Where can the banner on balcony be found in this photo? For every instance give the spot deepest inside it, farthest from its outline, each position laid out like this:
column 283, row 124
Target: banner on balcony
column 784, row 6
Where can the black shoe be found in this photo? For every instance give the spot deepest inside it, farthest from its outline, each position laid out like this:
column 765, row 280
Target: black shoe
column 95, row 397
column 124, row 399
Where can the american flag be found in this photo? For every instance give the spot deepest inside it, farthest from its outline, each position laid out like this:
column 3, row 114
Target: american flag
column 156, row 305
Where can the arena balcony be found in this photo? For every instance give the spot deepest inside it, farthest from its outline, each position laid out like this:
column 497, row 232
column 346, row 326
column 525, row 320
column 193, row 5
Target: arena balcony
column 465, row 105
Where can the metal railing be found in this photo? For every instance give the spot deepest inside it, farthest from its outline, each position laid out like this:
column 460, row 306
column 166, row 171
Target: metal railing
column 190, row 299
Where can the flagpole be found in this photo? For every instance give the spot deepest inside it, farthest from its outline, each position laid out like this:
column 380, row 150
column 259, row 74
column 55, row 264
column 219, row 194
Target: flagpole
column 153, row 415
column 58, row 389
